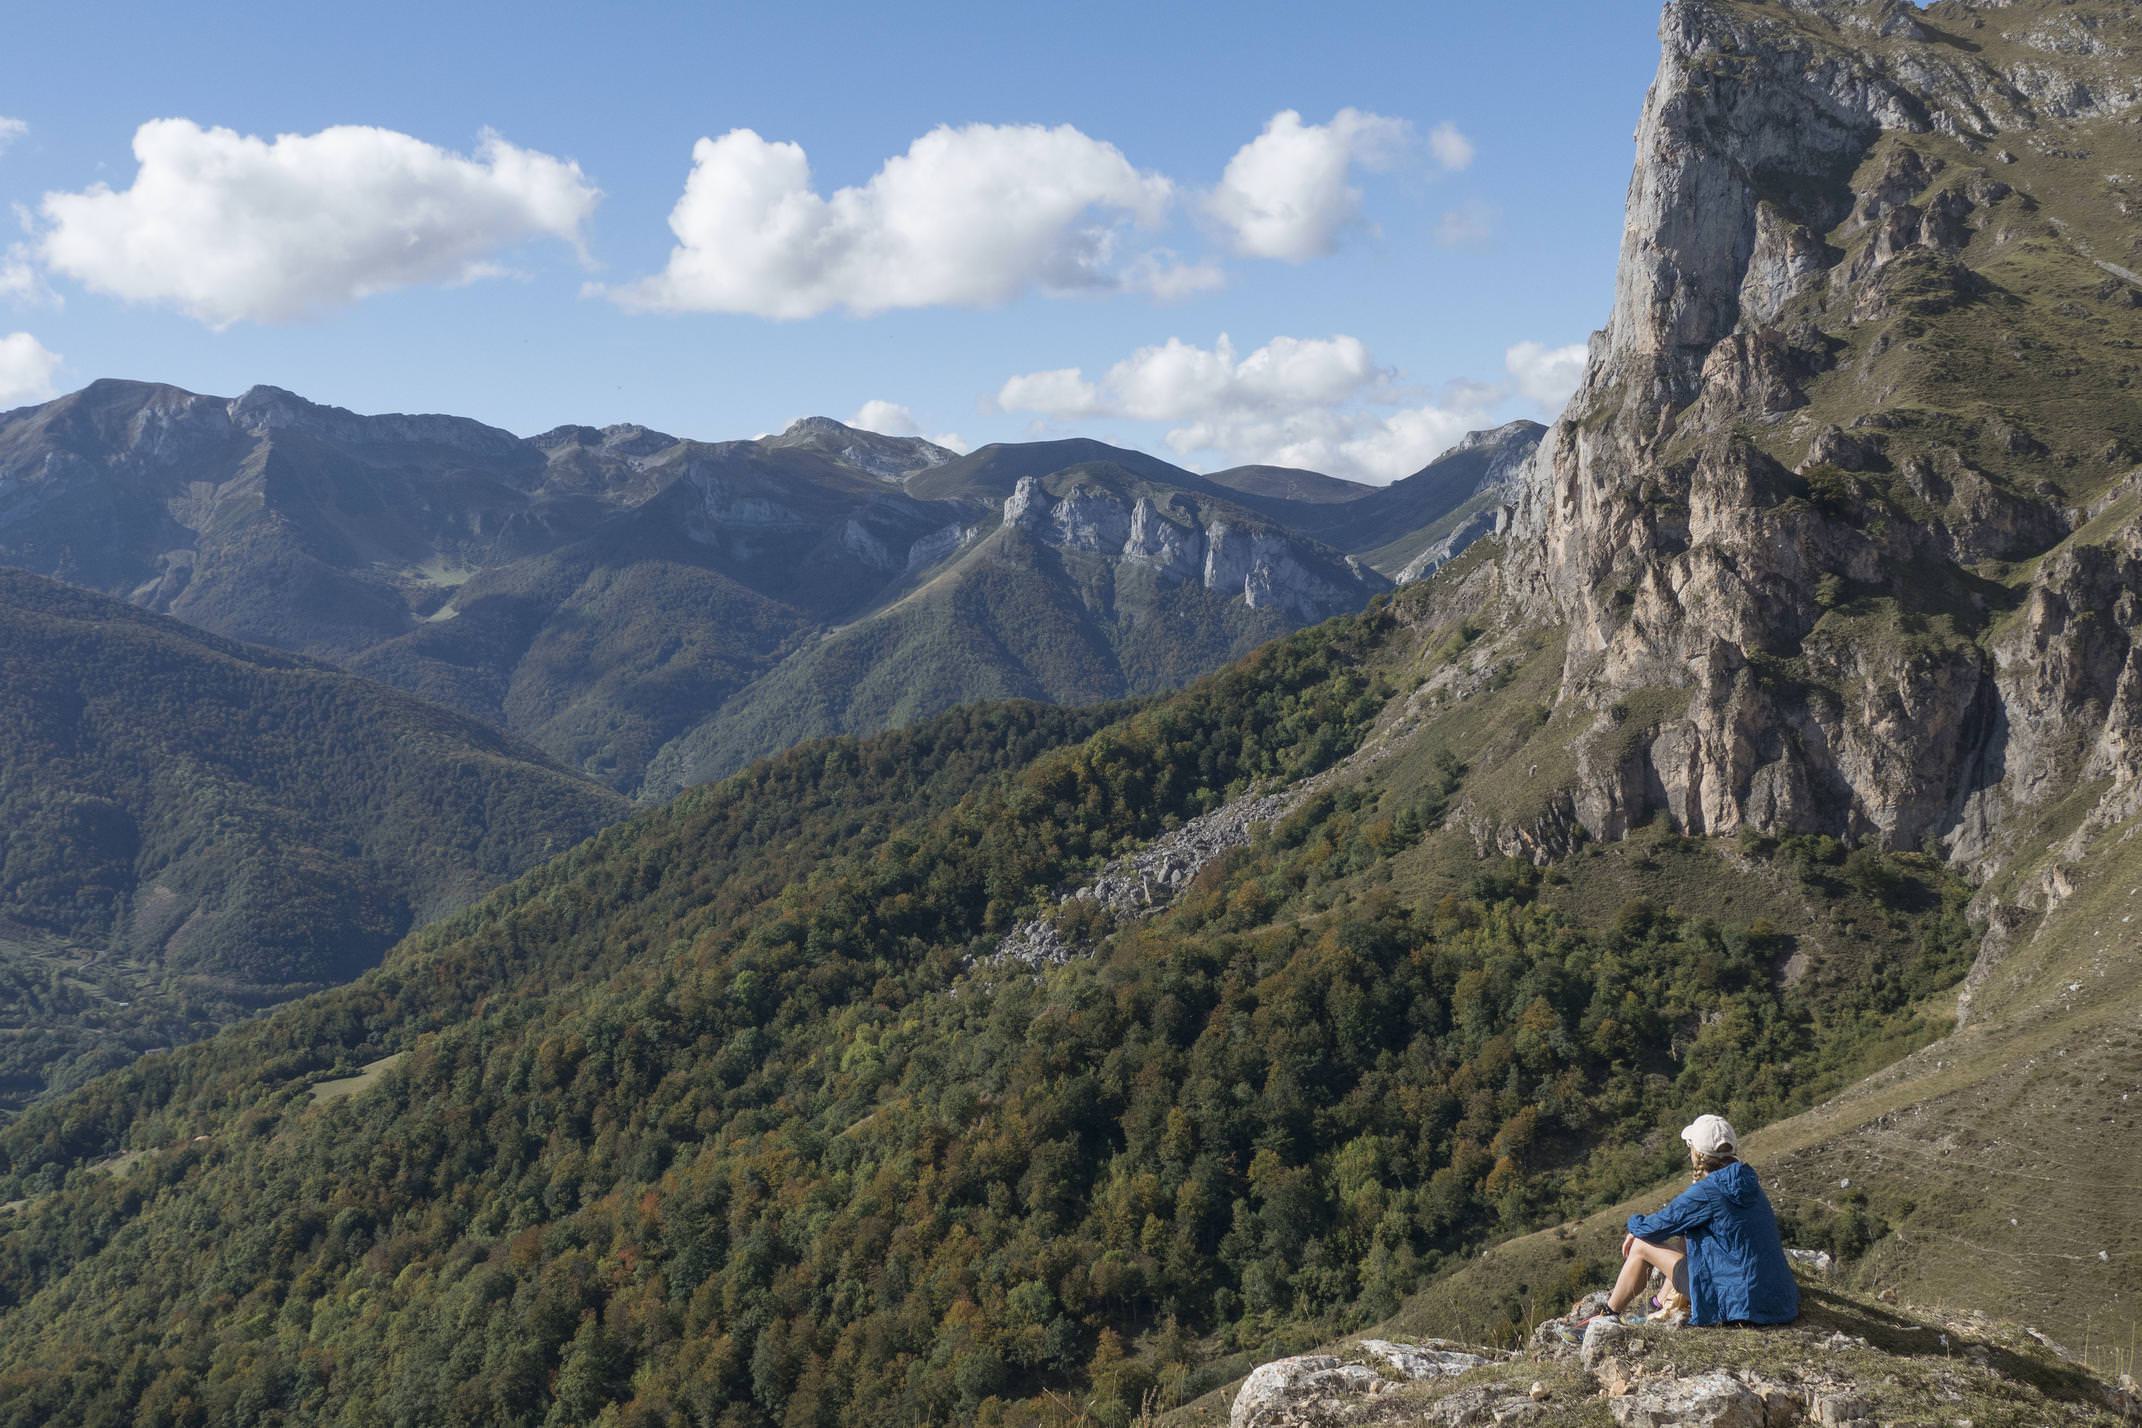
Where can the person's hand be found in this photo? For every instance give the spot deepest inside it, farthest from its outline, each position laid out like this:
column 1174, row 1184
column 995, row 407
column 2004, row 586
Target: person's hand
column 1628, row 1245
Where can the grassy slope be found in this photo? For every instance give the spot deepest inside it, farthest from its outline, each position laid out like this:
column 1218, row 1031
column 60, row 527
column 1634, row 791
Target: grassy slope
column 2027, row 1114
column 1993, row 1166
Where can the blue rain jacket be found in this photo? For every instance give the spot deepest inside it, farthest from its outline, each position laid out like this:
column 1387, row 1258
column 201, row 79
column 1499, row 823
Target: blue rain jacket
column 1737, row 1271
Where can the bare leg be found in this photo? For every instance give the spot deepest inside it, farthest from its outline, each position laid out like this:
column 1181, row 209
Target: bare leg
column 1636, row 1271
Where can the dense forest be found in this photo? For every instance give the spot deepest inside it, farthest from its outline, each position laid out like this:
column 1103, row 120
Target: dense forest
column 765, row 1133
column 191, row 828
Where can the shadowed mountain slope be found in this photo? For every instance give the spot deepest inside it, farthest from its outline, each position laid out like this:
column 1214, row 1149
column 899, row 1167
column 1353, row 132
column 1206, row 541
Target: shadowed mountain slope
column 190, row 827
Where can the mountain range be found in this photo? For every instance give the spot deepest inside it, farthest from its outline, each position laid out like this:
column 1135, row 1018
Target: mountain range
column 653, row 611
column 1777, row 757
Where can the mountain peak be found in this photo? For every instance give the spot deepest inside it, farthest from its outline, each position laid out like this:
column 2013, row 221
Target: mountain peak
column 886, row 458
column 266, row 406
column 1509, row 433
column 805, row 427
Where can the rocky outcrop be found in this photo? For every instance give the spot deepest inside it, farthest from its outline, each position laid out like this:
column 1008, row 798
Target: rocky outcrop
column 1190, row 541
column 1148, row 879
column 888, row 458
column 1144, row 882
column 1810, row 1375
column 1771, row 518
column 1461, row 539
column 1315, row 1388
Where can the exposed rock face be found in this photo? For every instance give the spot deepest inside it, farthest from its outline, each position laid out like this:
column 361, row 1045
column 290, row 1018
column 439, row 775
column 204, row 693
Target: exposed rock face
column 1414, row 526
column 1711, row 1400
column 1322, row 1388
column 1779, row 507
column 1142, row 883
column 1508, row 449
column 1225, row 552
column 1450, row 547
column 889, row 458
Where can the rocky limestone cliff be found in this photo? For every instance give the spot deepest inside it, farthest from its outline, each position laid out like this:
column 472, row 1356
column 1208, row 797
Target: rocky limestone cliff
column 1845, row 509
column 1191, row 542
column 1507, row 453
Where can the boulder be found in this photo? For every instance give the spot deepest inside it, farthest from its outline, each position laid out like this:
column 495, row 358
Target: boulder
column 1437, row 1358
column 1491, row 1406
column 1607, row 1339
column 1324, row 1388
column 1710, row 1400
column 1286, row 1391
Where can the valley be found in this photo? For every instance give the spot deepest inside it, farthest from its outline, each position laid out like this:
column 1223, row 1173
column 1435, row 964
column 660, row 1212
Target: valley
column 1090, row 933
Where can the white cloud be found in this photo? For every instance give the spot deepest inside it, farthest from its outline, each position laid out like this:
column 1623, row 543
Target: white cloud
column 967, row 217
column 21, row 283
column 1451, row 148
column 1322, row 403
column 10, row 131
column 1286, row 195
column 1169, row 279
column 1178, row 380
column 893, row 419
column 27, row 367
column 885, row 418
column 1470, row 225
column 1060, row 392
column 229, row 227
column 1547, row 376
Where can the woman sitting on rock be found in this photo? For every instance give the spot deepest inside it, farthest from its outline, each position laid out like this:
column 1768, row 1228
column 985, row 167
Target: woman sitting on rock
column 1734, row 1270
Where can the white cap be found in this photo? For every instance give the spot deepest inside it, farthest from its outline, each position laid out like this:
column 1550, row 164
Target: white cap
column 1711, row 1135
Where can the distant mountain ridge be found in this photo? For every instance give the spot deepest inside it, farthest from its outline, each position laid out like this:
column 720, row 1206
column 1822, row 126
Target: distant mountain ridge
column 190, row 827
column 612, row 594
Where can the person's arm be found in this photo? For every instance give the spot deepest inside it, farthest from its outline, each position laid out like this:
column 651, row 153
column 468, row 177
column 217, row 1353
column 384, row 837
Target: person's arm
column 1691, row 1208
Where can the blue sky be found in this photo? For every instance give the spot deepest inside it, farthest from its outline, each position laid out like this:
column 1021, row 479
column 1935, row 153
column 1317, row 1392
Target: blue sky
column 1489, row 147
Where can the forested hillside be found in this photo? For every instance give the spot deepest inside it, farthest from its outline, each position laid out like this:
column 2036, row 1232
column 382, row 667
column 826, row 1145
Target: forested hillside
column 191, row 828
column 764, row 1133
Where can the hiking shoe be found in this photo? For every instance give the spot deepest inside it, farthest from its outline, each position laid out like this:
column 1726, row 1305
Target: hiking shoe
column 1591, row 1306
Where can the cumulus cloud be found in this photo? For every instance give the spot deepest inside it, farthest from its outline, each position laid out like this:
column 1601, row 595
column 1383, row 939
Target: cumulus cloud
column 1546, row 376
column 894, row 419
column 1167, row 278
column 27, row 368
column 967, row 217
column 229, row 227
column 885, row 418
column 1059, row 392
column 1321, row 403
column 1451, row 148
column 20, row 282
column 1286, row 193
column 10, row 131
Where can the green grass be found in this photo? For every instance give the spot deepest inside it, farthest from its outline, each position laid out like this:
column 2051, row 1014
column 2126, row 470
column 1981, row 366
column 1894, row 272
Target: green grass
column 341, row 1088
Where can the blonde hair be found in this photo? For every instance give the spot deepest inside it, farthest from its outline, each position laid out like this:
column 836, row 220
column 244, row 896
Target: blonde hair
column 1707, row 1162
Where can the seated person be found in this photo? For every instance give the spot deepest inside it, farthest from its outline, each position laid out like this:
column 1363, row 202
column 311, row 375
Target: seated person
column 1734, row 1270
